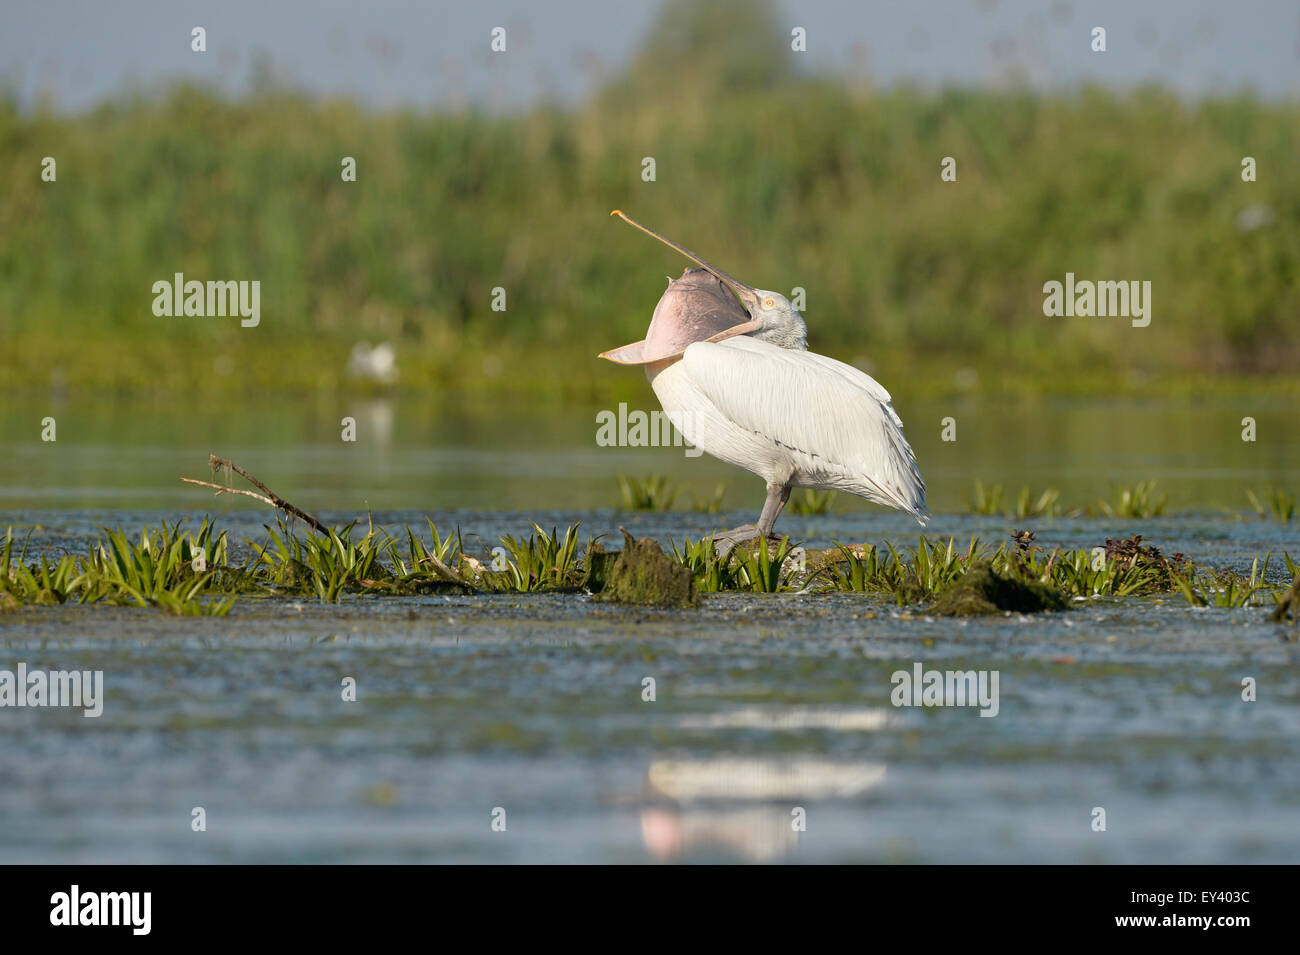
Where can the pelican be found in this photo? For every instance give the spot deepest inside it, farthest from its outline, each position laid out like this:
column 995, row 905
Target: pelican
column 741, row 385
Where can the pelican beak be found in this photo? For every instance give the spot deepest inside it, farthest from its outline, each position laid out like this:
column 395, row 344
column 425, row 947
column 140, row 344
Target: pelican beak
column 748, row 296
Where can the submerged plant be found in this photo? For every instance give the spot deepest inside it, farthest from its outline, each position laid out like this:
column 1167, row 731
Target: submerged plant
column 1280, row 505
column 987, row 501
column 1139, row 501
column 1044, row 504
column 653, row 493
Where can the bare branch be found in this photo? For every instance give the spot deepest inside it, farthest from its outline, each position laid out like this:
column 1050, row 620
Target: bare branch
column 270, row 496
column 222, row 489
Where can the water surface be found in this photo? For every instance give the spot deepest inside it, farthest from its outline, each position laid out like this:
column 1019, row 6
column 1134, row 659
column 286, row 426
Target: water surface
column 764, row 706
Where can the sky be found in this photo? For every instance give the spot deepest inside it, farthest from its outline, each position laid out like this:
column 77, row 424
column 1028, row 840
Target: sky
column 72, row 54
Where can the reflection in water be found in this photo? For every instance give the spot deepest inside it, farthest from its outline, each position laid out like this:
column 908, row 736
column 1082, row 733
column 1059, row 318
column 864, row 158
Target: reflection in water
column 859, row 720
column 764, row 834
column 375, row 418
column 744, row 807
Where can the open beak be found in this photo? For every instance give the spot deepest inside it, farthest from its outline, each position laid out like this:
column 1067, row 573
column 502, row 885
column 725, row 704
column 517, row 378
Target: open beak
column 704, row 305
column 747, row 295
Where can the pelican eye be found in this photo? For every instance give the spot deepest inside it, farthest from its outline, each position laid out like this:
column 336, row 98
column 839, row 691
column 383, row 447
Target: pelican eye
column 769, row 302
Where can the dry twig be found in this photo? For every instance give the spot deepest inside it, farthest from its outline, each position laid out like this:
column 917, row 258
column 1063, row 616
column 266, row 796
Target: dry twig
column 270, row 497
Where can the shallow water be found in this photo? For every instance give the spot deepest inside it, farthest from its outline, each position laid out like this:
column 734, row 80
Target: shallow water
column 442, row 454
column 533, row 704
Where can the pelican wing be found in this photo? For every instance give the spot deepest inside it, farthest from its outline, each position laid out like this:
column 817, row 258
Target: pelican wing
column 837, row 419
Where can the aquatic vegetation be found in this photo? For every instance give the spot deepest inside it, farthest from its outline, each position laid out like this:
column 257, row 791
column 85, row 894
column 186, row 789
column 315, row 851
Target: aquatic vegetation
column 542, row 562
column 762, row 571
column 42, row 583
column 1139, row 501
column 810, row 501
column 190, row 573
column 712, row 573
column 1280, row 505
column 168, row 568
column 446, row 550
column 991, row 501
column 322, row 565
column 1044, row 504
column 910, row 578
column 1223, row 589
column 1288, row 601
column 1124, row 568
column 653, row 493
column 1220, row 590
column 984, row 500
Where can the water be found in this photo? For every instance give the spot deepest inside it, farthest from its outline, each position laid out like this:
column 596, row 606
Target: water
column 533, row 704
column 432, row 454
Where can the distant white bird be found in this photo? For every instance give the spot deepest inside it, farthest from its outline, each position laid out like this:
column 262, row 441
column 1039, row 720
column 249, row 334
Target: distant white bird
column 377, row 364
column 742, row 386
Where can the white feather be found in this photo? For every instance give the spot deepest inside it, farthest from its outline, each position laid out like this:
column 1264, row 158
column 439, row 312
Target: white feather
column 792, row 417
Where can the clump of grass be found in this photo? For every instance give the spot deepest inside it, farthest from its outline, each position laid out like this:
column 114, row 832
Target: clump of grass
column 761, row 571
column 1223, row 589
column 712, row 573
column 991, row 500
column 322, row 565
column 163, row 570
column 1124, row 568
column 167, row 568
column 922, row 574
column 987, row 501
column 757, row 568
column 1044, row 504
column 448, row 551
column 1140, row 501
column 541, row 562
column 809, row 501
column 1280, row 505
column 42, row 583
column 653, row 493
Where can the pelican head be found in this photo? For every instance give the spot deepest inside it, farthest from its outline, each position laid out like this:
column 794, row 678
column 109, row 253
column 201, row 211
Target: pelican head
column 767, row 315
column 780, row 323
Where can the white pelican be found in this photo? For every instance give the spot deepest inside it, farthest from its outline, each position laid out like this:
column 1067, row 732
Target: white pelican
column 742, row 386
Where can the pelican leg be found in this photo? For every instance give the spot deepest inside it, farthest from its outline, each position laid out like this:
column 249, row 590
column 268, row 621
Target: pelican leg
column 777, row 495
column 776, row 498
